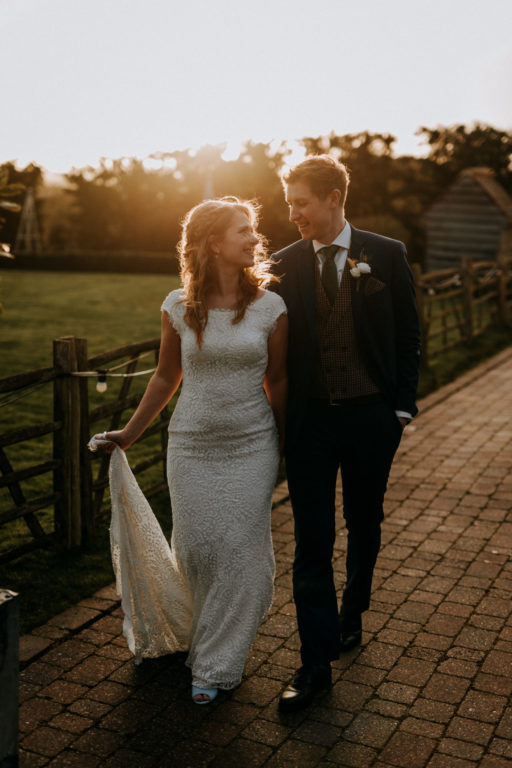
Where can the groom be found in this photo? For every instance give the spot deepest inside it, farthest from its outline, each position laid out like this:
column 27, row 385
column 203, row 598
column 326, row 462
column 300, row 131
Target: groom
column 353, row 371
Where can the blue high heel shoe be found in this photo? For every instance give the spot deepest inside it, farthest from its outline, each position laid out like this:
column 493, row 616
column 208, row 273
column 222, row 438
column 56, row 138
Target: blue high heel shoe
column 210, row 692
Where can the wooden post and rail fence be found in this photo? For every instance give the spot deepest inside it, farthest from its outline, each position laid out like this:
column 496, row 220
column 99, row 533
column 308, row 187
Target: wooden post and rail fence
column 455, row 305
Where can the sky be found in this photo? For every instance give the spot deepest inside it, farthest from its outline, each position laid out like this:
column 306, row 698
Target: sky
column 84, row 79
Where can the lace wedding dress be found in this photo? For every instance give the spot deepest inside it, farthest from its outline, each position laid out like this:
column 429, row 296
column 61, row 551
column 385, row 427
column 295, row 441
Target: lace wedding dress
column 209, row 591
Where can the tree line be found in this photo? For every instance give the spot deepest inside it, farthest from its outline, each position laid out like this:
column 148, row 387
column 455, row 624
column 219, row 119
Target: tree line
column 132, row 205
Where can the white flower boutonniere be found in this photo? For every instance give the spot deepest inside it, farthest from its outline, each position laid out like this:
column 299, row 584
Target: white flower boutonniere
column 359, row 268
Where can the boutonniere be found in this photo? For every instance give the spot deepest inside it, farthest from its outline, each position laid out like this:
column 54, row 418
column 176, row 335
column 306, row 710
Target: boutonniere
column 359, row 268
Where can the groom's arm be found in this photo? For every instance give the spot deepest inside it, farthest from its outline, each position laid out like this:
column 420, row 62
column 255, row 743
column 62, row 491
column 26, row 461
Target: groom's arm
column 407, row 333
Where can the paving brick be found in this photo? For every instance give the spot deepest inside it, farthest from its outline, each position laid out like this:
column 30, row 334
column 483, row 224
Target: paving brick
column 386, row 708
column 31, row 760
column 445, row 761
column 360, row 673
column 493, row 684
column 109, row 692
column 258, row 690
column 494, row 606
column 36, row 711
column 74, row 617
column 69, row 653
column 353, row 755
column 266, row 732
column 88, row 708
column 422, row 727
column 414, row 611
column 47, row 741
column 444, row 624
column 462, row 749
column 98, row 741
column 458, row 667
column 411, row 671
column 67, row 721
column 129, row 716
column 492, row 761
column 481, row 639
column 63, row 692
column 498, row 663
column 71, row 759
column 455, row 609
column 397, row 692
column 504, row 729
column 482, row 706
column 240, row 752
column 438, row 712
column 447, row 688
column 91, row 671
column 380, row 655
column 408, row 750
column 32, row 645
column 502, row 747
column 124, row 757
column 469, row 730
column 318, row 732
column 39, row 673
column 331, row 716
column 348, row 696
column 370, row 729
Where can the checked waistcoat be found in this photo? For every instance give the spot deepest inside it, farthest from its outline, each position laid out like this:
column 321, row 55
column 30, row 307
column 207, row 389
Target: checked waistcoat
column 339, row 372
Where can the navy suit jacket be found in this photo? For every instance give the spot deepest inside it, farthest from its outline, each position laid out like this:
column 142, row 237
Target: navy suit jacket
column 385, row 320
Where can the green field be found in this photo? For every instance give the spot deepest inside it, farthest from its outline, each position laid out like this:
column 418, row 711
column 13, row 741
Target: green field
column 109, row 310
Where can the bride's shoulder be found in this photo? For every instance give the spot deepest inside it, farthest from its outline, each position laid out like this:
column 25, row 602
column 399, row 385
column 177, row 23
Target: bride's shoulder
column 272, row 299
column 172, row 299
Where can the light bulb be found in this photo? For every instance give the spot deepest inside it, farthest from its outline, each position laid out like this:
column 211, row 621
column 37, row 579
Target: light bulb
column 101, row 384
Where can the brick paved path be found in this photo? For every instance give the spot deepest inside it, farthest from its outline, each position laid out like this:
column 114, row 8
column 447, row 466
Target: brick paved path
column 429, row 687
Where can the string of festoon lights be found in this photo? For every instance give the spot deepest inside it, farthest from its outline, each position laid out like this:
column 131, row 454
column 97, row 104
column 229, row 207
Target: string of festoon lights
column 100, row 374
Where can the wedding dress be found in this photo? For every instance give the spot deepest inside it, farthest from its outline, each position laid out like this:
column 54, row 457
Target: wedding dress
column 209, row 591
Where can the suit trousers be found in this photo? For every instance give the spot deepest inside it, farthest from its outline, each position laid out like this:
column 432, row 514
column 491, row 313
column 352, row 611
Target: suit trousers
column 360, row 440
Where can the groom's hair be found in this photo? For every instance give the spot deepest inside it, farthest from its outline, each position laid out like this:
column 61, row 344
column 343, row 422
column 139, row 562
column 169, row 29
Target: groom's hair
column 322, row 174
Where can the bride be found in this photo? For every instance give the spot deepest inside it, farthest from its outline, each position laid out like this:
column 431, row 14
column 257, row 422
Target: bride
column 224, row 337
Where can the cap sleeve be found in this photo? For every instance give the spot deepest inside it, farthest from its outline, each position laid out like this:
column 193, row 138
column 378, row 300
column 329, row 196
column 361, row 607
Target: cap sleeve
column 276, row 308
column 175, row 309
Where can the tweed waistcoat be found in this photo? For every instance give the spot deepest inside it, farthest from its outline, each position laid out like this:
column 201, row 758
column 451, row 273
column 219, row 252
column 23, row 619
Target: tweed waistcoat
column 339, row 372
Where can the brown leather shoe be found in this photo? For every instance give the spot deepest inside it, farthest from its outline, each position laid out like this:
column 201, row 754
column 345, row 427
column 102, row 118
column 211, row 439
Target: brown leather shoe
column 308, row 681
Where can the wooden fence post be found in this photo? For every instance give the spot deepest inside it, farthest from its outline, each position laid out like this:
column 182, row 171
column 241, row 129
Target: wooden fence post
column 504, row 254
column 87, row 508
column 468, row 287
column 9, row 641
column 66, row 444
column 416, row 271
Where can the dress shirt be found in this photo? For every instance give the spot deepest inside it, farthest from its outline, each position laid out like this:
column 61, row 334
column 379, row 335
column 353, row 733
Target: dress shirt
column 343, row 241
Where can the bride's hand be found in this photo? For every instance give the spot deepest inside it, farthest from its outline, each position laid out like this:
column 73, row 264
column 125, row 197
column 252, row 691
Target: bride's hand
column 116, row 437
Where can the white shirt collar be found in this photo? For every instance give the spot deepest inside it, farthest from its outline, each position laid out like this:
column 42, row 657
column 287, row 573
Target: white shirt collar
column 343, row 240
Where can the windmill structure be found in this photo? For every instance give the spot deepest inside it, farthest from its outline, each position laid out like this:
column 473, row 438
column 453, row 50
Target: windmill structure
column 28, row 237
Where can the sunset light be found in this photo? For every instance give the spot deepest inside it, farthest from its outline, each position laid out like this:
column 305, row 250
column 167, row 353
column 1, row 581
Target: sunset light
column 114, row 78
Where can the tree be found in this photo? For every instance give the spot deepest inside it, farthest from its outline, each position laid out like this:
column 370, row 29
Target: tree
column 454, row 148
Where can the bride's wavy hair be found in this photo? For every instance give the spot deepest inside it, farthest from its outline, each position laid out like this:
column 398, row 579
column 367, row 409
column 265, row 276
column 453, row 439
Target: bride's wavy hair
column 198, row 269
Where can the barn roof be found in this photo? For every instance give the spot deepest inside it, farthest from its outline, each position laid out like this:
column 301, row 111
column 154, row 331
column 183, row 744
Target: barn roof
column 485, row 178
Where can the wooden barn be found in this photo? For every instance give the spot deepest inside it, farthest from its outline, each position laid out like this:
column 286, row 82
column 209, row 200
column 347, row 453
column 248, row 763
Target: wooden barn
column 472, row 218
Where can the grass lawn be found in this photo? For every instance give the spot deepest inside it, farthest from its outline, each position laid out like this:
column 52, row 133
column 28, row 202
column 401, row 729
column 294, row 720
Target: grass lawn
column 109, row 310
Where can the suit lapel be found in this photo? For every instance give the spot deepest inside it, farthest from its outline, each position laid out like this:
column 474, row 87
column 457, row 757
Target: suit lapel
column 356, row 246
